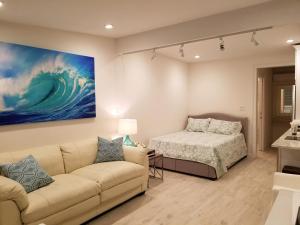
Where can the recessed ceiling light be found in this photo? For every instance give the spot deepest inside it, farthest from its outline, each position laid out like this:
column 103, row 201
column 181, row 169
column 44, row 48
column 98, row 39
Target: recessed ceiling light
column 289, row 41
column 1, row 3
column 108, row 26
column 197, row 56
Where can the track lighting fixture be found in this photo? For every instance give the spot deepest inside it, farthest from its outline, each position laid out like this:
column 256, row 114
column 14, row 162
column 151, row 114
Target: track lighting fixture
column 220, row 37
column 253, row 40
column 181, row 50
column 154, row 54
column 222, row 46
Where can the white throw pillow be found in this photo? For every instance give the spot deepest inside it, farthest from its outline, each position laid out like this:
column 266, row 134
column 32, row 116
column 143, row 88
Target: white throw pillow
column 197, row 125
column 224, row 127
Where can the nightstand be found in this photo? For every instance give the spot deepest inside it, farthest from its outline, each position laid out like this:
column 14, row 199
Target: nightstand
column 156, row 165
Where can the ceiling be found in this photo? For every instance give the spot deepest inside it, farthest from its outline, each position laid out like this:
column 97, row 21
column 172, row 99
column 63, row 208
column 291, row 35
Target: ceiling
column 128, row 16
column 273, row 40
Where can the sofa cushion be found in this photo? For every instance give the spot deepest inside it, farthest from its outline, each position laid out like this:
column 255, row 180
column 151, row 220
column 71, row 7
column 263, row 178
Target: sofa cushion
column 121, row 189
column 66, row 191
column 109, row 174
column 110, row 150
column 28, row 173
column 79, row 154
column 48, row 157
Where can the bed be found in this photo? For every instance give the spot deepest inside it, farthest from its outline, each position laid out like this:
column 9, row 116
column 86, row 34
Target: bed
column 203, row 154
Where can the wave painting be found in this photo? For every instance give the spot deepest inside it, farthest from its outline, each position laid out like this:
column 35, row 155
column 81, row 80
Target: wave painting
column 38, row 85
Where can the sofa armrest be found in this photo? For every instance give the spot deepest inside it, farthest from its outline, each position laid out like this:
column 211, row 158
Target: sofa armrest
column 10, row 213
column 139, row 156
column 12, row 190
column 136, row 155
column 284, row 181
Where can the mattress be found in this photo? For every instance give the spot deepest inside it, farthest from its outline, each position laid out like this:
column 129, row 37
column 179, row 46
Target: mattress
column 216, row 150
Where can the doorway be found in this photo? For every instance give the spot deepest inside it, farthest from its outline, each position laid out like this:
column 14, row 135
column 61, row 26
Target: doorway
column 274, row 104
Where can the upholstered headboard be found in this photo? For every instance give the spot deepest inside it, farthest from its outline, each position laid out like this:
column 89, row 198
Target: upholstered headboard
column 222, row 116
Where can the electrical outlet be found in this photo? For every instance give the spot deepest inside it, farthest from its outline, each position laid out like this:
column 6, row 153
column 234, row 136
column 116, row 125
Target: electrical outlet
column 242, row 108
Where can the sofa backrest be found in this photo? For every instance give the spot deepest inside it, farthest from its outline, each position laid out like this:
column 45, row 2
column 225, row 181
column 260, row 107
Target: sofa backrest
column 79, row 154
column 48, row 157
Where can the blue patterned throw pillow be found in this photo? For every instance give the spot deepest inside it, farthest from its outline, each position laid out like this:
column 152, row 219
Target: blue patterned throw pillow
column 110, row 150
column 28, row 173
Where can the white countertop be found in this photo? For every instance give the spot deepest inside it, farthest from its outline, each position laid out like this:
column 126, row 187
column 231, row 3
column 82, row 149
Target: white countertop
column 287, row 144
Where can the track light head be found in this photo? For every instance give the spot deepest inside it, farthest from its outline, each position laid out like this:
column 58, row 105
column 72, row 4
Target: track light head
column 154, row 54
column 253, row 39
column 181, row 50
column 222, row 45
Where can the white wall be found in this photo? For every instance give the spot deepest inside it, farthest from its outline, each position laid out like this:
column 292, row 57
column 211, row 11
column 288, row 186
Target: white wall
column 133, row 86
column 145, row 89
column 229, row 86
column 154, row 92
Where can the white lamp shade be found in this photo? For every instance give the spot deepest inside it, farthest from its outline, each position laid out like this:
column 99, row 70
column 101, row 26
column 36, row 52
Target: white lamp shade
column 127, row 126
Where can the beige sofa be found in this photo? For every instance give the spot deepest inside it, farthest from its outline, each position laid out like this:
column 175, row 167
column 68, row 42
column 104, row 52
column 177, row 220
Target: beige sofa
column 81, row 191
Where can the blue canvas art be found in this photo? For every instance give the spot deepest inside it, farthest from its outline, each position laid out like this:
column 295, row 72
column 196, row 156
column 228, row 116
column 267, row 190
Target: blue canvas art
column 39, row 85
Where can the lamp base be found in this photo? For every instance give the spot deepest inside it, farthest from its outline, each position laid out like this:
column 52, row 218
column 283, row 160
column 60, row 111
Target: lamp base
column 127, row 141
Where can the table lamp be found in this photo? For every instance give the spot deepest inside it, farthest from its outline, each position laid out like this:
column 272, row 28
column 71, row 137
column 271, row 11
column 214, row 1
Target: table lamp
column 128, row 127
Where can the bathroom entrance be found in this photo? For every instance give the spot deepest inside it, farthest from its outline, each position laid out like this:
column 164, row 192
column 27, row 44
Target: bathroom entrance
column 275, row 104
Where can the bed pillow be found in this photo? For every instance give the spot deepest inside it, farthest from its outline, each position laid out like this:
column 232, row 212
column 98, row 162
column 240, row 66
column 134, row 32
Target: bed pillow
column 110, row 150
column 224, row 127
column 197, row 125
column 28, row 173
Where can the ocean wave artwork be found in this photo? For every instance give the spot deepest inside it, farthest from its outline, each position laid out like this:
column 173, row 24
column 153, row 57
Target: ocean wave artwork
column 38, row 85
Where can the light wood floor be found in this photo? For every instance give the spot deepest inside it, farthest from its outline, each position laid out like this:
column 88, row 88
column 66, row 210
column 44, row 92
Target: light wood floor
column 242, row 197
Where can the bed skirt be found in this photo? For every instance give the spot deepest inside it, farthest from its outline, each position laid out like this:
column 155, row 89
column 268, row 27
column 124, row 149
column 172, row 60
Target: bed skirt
column 191, row 167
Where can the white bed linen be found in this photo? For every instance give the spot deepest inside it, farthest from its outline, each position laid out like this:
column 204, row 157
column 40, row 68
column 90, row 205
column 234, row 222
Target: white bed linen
column 217, row 150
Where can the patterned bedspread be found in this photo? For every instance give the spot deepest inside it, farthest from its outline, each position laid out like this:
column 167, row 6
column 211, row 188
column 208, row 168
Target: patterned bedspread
column 216, row 150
